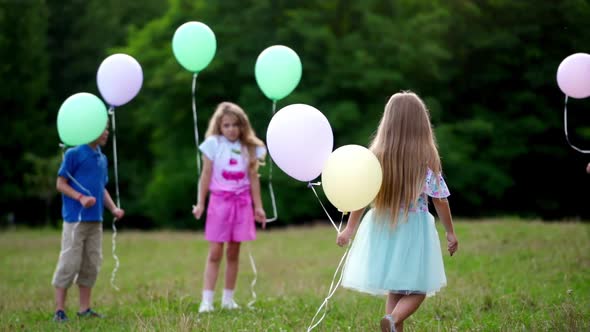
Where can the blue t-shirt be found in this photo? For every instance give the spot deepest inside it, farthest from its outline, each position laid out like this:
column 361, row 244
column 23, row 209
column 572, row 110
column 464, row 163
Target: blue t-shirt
column 88, row 168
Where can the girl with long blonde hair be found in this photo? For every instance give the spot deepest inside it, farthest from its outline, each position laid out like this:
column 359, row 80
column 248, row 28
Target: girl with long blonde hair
column 396, row 251
column 231, row 155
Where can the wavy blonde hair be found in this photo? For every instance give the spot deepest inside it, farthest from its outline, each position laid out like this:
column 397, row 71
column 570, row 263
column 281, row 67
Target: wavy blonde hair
column 247, row 135
column 406, row 147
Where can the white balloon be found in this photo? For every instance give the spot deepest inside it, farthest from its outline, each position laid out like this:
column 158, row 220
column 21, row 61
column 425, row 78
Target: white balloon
column 300, row 140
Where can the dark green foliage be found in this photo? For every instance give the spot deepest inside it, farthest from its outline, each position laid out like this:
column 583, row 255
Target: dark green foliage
column 486, row 69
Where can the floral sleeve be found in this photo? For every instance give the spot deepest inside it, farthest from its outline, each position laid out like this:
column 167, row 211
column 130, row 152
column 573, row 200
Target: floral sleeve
column 434, row 188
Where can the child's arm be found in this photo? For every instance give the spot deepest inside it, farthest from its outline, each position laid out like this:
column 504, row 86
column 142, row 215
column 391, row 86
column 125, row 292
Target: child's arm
column 444, row 213
column 344, row 237
column 203, row 187
column 64, row 187
column 108, row 202
column 259, row 213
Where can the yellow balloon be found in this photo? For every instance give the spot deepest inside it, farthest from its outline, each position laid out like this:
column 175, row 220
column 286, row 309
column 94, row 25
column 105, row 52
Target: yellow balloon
column 351, row 177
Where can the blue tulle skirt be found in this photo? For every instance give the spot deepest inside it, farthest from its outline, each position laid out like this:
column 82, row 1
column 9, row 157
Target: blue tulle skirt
column 403, row 259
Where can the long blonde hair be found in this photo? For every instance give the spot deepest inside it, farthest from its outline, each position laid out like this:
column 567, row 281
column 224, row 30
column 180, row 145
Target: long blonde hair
column 405, row 146
column 247, row 135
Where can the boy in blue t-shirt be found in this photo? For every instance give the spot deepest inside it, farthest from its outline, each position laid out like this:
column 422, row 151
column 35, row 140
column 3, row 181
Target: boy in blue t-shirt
column 82, row 178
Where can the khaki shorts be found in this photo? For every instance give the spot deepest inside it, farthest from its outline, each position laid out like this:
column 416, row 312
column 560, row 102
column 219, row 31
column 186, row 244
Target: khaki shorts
column 81, row 254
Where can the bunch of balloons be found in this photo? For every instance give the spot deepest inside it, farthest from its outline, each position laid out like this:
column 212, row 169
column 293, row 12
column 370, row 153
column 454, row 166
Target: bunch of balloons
column 83, row 116
column 300, row 141
column 299, row 137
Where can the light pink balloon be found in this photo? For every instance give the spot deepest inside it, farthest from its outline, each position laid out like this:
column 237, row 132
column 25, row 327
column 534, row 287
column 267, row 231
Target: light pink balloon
column 300, row 140
column 119, row 79
column 573, row 75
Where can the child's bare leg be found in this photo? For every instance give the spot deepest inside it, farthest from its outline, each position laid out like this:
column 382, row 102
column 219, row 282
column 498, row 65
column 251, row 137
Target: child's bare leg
column 85, row 293
column 212, row 266
column 231, row 273
column 405, row 307
column 392, row 300
column 60, row 298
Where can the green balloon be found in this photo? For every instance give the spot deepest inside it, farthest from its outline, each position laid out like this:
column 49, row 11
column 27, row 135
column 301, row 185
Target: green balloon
column 81, row 119
column 194, row 46
column 278, row 71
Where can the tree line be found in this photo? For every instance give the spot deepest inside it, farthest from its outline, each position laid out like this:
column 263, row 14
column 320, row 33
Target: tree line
column 486, row 70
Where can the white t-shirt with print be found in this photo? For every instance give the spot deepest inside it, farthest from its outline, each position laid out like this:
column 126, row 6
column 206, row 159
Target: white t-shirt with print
column 230, row 167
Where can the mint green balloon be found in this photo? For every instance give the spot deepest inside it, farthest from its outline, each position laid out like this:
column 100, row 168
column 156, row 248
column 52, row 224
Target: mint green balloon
column 81, row 119
column 194, row 46
column 277, row 71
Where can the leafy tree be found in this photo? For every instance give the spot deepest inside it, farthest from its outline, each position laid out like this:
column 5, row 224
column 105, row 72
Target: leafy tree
column 502, row 134
column 41, row 181
column 486, row 70
column 24, row 72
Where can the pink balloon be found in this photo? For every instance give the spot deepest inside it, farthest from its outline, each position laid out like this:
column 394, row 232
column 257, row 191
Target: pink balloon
column 119, row 79
column 573, row 75
column 300, row 140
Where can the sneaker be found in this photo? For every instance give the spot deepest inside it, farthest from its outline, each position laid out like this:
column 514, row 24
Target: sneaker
column 229, row 304
column 89, row 313
column 206, row 307
column 60, row 316
column 387, row 324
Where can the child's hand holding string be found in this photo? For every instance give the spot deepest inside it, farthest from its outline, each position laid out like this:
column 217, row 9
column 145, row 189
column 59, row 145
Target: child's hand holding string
column 118, row 213
column 344, row 237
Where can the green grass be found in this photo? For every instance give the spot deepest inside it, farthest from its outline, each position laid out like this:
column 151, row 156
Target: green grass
column 509, row 275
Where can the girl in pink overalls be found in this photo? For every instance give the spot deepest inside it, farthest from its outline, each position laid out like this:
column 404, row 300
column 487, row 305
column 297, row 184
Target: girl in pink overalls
column 231, row 152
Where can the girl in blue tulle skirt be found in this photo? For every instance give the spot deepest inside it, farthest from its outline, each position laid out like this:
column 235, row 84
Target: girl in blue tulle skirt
column 396, row 250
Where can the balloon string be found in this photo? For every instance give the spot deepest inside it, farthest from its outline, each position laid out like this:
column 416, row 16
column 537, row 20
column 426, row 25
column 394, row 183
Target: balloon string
column 81, row 209
column 115, row 257
column 196, row 129
column 118, row 199
column 253, row 283
column 72, row 235
column 331, row 291
column 116, row 163
column 270, row 188
column 79, row 213
column 311, row 185
column 565, row 129
column 272, row 194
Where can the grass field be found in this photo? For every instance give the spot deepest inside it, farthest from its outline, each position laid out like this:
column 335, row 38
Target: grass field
column 508, row 275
